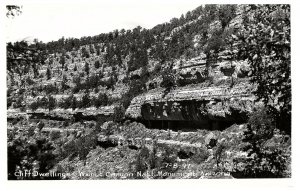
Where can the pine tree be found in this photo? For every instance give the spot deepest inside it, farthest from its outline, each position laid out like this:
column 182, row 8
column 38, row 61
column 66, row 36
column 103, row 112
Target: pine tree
column 92, row 50
column 265, row 43
column 85, row 101
column 48, row 73
column 62, row 61
column 87, row 68
column 63, row 83
column 73, row 103
column 75, row 68
column 97, row 64
column 51, row 103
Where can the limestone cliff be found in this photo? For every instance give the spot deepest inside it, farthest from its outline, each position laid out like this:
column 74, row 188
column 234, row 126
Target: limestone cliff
column 227, row 95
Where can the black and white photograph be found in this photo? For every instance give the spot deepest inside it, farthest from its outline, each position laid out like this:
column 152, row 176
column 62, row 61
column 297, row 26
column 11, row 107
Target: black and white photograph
column 126, row 90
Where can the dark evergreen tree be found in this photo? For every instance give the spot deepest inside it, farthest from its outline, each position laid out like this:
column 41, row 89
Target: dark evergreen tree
column 51, row 103
column 74, row 103
column 97, row 64
column 64, row 85
column 75, row 68
column 265, row 43
column 48, row 74
column 62, row 61
column 85, row 100
column 92, row 50
column 87, row 68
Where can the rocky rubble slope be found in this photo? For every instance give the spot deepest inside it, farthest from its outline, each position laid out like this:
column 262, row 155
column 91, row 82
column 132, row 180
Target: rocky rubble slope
column 202, row 154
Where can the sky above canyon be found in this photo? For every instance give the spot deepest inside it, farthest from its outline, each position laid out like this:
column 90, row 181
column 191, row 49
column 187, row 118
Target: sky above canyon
column 49, row 21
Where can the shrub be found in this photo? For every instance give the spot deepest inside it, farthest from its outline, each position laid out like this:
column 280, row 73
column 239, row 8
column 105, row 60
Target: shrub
column 262, row 124
column 119, row 114
column 54, row 135
column 30, row 131
column 34, row 106
column 200, row 156
column 18, row 102
column 168, row 79
column 262, row 161
column 99, row 123
column 190, row 79
column 157, row 69
column 109, row 128
column 85, row 144
column 64, row 85
column 219, row 153
column 50, row 89
column 66, row 103
column 85, row 53
column 109, row 83
column 29, row 81
column 168, row 156
column 43, row 102
column 65, row 124
column 51, row 103
column 152, row 85
column 85, row 101
column 87, row 68
column 148, row 159
column 29, row 152
column 80, row 146
column 96, row 90
column 69, row 149
column 48, row 73
column 136, row 87
column 141, row 162
column 101, row 100
column 97, row 64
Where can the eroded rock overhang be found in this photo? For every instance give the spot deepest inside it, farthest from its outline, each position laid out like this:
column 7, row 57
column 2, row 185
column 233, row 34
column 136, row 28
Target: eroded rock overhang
column 194, row 104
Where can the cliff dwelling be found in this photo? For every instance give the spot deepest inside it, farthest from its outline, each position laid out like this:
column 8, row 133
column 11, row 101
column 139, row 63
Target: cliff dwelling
column 189, row 115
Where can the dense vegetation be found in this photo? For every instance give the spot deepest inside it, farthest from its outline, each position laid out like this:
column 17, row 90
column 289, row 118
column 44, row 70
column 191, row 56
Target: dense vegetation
column 163, row 43
column 113, row 68
column 264, row 40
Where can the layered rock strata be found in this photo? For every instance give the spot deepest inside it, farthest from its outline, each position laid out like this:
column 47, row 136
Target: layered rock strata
column 193, row 103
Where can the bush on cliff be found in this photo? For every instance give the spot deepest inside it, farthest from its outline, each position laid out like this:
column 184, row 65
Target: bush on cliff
column 264, row 42
column 168, row 79
column 136, row 87
column 101, row 100
column 119, row 114
column 262, row 161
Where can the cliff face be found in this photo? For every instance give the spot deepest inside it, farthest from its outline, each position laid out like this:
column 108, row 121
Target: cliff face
column 110, row 66
column 91, row 113
column 227, row 97
column 216, row 100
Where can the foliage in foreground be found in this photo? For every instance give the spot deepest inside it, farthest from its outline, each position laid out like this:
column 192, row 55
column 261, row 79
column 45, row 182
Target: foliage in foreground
column 29, row 151
column 263, row 160
column 148, row 160
column 264, row 40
